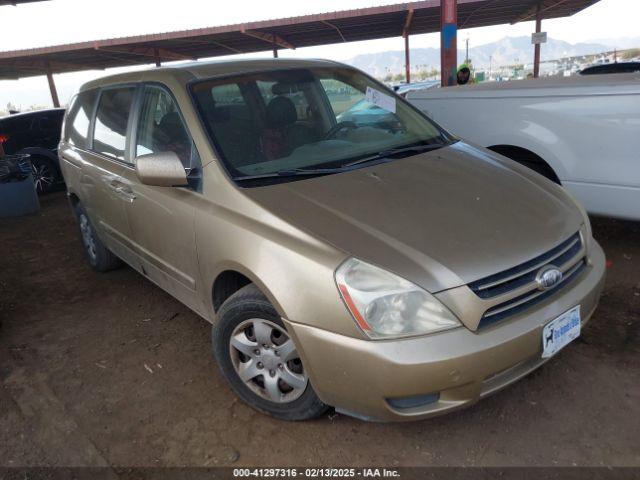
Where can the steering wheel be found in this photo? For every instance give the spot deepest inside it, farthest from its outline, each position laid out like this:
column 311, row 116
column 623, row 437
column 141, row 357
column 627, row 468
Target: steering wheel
column 338, row 127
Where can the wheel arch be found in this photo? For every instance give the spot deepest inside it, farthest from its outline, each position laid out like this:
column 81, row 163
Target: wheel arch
column 226, row 284
column 44, row 153
column 528, row 159
column 230, row 278
column 74, row 200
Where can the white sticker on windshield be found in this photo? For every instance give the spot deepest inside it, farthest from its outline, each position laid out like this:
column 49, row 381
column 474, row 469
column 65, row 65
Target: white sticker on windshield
column 380, row 99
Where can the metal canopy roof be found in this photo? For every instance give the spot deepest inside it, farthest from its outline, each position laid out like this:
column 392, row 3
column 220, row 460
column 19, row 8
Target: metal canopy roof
column 294, row 32
column 17, row 2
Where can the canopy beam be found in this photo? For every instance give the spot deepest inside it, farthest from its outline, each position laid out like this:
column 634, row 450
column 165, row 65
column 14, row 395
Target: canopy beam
column 268, row 37
column 52, row 88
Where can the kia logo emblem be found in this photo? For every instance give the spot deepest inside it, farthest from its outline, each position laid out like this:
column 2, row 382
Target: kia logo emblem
column 548, row 277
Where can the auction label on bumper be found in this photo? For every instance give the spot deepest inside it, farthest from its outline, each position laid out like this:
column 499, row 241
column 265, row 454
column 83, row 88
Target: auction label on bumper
column 315, row 473
column 559, row 332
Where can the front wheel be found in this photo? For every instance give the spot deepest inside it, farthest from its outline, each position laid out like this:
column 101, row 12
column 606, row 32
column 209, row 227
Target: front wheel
column 260, row 360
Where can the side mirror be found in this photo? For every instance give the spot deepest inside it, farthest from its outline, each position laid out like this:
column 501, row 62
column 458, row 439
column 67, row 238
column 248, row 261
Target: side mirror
column 163, row 169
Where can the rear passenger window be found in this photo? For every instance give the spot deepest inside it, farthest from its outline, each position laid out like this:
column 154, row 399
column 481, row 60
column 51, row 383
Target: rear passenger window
column 227, row 94
column 79, row 119
column 160, row 128
column 110, row 133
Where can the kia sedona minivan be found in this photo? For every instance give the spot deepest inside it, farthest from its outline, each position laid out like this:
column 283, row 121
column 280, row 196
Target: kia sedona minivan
column 369, row 262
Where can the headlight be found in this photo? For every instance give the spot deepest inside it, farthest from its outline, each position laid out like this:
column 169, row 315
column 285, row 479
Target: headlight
column 385, row 305
column 585, row 217
column 587, row 224
column 588, row 232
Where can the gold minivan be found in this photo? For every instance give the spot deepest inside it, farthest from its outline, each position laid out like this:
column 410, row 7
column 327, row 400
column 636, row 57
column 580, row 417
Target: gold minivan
column 348, row 251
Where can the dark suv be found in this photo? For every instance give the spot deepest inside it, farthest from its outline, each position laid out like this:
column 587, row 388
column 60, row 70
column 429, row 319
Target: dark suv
column 37, row 134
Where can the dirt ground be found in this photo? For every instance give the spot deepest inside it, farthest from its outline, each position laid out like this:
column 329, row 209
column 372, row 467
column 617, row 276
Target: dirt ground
column 107, row 369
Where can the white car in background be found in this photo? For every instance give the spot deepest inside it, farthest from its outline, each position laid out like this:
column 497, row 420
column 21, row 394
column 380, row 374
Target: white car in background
column 581, row 132
column 403, row 88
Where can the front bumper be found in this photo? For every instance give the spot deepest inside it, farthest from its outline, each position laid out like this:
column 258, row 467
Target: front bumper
column 454, row 368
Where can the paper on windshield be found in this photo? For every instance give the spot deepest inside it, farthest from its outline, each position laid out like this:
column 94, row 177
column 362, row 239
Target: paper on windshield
column 382, row 100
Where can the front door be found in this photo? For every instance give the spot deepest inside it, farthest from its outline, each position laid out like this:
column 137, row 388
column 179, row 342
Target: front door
column 162, row 218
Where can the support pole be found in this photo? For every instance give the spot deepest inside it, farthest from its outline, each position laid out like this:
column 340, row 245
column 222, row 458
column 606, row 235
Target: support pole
column 407, row 60
column 448, row 42
column 536, row 51
column 156, row 54
column 52, row 88
column 275, row 48
column 405, row 33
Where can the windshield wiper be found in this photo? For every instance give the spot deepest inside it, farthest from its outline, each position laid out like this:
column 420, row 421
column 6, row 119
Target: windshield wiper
column 383, row 155
column 291, row 172
column 393, row 152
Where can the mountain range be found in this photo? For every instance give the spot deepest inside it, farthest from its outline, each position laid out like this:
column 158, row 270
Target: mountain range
column 507, row 51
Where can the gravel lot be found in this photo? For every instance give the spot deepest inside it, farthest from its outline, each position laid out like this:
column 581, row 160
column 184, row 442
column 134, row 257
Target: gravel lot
column 107, row 369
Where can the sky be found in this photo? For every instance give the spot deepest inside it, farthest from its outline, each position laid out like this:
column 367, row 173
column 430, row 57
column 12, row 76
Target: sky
column 57, row 22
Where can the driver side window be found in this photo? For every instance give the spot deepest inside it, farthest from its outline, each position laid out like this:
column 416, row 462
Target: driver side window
column 341, row 96
column 160, row 127
column 360, row 119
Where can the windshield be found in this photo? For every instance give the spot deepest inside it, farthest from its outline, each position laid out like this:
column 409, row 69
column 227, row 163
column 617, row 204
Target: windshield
column 271, row 122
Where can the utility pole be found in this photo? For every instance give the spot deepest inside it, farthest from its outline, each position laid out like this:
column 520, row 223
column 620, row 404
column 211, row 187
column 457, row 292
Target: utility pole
column 536, row 54
column 466, row 57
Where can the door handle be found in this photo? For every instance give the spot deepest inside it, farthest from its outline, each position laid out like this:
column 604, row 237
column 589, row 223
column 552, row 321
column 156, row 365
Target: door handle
column 127, row 194
column 122, row 190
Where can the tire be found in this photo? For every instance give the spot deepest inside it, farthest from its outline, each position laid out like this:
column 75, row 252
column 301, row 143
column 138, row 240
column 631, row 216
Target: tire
column 265, row 387
column 45, row 174
column 100, row 257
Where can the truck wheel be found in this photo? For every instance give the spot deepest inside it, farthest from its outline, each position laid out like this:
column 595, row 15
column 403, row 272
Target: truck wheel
column 100, row 257
column 259, row 359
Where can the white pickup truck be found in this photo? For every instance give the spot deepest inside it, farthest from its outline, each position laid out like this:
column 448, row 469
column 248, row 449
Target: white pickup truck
column 581, row 132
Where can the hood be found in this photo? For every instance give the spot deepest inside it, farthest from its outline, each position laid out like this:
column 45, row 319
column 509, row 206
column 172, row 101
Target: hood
column 440, row 219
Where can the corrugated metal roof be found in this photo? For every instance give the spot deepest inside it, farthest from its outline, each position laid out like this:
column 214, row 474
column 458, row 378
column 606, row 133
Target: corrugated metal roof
column 294, row 32
column 16, row 2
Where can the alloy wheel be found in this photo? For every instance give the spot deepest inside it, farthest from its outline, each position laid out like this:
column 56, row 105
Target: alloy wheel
column 43, row 176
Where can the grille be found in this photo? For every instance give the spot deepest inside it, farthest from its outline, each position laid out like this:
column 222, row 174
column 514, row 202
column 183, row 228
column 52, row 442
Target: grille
column 565, row 256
